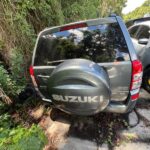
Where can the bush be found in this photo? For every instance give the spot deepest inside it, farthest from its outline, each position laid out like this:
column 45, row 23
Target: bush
column 20, row 138
column 17, row 67
column 8, row 85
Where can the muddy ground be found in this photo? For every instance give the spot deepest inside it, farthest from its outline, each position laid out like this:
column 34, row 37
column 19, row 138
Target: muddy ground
column 102, row 132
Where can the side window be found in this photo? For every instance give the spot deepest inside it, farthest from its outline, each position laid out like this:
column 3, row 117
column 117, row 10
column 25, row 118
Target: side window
column 133, row 31
column 143, row 32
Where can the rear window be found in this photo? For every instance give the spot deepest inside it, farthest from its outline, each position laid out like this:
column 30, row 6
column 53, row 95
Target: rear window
column 100, row 43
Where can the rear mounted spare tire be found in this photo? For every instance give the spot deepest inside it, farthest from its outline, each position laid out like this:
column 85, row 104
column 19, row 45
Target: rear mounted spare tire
column 79, row 86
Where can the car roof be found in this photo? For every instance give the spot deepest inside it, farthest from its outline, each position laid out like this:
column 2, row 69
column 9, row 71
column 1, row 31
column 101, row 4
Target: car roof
column 132, row 22
column 147, row 23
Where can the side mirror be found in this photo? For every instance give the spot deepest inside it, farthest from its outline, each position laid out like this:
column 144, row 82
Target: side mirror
column 143, row 41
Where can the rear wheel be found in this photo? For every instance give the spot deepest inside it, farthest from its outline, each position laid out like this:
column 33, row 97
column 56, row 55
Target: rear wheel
column 146, row 80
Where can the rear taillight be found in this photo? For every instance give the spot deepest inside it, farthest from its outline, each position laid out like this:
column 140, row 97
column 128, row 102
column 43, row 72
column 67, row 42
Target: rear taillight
column 136, row 80
column 73, row 26
column 31, row 71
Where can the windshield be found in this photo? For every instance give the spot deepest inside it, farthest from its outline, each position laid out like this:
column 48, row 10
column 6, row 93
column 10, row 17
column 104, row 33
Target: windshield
column 100, row 43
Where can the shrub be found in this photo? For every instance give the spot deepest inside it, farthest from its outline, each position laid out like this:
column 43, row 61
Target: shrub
column 7, row 84
column 18, row 71
column 20, row 138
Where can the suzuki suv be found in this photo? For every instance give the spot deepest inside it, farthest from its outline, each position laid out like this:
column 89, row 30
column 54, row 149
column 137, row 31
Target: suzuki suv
column 87, row 67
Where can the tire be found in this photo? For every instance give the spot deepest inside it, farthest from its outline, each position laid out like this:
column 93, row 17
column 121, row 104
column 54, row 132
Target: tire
column 146, row 80
column 80, row 87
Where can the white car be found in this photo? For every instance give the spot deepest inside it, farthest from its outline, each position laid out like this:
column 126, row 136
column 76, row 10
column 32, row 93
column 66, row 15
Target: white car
column 140, row 35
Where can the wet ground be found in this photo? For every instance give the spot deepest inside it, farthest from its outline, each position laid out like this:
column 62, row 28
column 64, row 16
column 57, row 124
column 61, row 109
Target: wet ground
column 104, row 131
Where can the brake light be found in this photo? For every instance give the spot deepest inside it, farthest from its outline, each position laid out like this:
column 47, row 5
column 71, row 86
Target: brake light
column 31, row 70
column 73, row 26
column 136, row 80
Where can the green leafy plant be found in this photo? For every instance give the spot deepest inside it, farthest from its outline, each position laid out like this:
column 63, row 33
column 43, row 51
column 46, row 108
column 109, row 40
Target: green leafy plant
column 18, row 67
column 21, row 138
column 18, row 137
column 9, row 86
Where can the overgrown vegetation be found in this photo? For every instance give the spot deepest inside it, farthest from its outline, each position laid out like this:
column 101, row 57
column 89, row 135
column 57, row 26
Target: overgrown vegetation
column 17, row 137
column 18, row 130
column 8, row 84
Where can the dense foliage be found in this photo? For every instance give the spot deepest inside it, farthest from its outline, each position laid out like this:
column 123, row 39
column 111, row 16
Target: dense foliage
column 139, row 12
column 9, row 85
column 18, row 137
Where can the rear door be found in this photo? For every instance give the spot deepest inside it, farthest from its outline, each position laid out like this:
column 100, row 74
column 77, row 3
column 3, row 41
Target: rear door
column 99, row 40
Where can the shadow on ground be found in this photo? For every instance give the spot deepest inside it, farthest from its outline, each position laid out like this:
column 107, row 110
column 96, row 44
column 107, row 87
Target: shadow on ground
column 103, row 131
column 91, row 132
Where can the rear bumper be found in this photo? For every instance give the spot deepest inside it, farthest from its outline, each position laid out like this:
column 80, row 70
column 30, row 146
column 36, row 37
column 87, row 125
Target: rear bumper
column 113, row 107
column 121, row 108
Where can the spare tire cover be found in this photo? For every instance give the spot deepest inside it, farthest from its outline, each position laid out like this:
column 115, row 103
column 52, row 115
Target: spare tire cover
column 79, row 86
